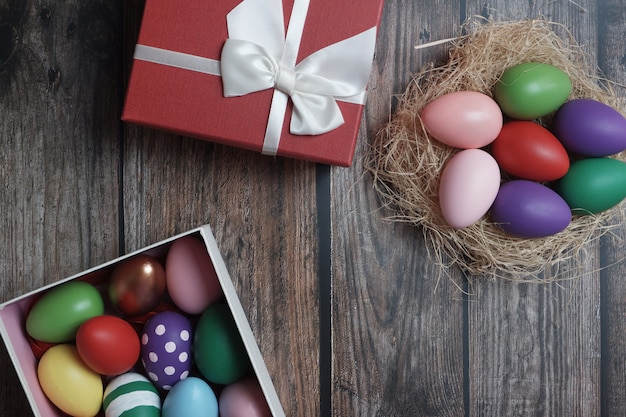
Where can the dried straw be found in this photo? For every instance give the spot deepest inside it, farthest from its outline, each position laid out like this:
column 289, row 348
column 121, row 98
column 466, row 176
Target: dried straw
column 406, row 163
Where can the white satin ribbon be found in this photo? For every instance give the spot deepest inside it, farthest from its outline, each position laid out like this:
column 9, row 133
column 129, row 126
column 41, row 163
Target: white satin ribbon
column 259, row 56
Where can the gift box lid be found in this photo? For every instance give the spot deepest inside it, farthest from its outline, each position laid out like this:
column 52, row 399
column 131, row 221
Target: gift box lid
column 305, row 102
column 13, row 315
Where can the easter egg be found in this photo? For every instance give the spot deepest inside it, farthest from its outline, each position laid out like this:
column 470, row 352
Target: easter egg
column 468, row 185
column 108, row 345
column 190, row 398
column 131, row 395
column 218, row 349
column 56, row 316
column 463, row 119
column 166, row 348
column 527, row 150
column 593, row 185
column 68, row 382
column 528, row 209
column 532, row 89
column 191, row 278
column 137, row 284
column 244, row 398
column 590, row 128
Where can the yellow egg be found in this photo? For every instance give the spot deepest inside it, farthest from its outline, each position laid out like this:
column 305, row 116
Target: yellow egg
column 69, row 383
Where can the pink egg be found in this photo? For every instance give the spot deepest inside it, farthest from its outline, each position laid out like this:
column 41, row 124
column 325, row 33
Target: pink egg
column 191, row 279
column 243, row 398
column 463, row 119
column 468, row 186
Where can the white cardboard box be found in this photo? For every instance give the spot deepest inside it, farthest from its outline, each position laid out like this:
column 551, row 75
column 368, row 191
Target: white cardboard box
column 13, row 318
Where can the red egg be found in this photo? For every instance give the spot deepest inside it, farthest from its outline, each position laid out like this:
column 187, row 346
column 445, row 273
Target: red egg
column 108, row 345
column 529, row 151
column 137, row 285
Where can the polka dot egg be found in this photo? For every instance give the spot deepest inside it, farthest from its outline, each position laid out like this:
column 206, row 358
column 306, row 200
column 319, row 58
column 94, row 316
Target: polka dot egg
column 166, row 349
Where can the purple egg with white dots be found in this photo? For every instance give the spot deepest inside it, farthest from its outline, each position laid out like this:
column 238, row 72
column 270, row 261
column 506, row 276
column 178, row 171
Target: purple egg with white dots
column 166, row 343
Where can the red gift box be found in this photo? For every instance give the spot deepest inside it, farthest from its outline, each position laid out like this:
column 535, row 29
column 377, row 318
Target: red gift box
column 178, row 84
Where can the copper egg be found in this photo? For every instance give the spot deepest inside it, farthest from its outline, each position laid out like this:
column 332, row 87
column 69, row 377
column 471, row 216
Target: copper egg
column 137, row 285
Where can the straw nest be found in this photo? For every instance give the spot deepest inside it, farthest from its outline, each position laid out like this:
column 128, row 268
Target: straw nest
column 406, row 163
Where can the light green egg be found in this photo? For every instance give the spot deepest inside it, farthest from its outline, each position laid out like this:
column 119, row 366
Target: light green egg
column 57, row 315
column 593, row 185
column 532, row 89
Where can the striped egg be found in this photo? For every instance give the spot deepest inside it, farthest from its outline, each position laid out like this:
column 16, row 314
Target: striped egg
column 131, row 395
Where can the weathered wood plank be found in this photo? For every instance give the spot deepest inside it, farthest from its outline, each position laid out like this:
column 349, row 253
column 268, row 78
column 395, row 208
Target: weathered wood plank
column 535, row 349
column 612, row 59
column 59, row 108
column 397, row 322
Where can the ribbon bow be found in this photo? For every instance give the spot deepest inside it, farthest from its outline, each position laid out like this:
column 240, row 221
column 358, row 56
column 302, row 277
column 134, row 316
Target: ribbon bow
column 258, row 56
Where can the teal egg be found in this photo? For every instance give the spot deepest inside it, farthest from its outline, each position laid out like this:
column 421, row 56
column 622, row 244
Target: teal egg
column 131, row 395
column 593, row 185
column 532, row 89
column 218, row 348
column 57, row 315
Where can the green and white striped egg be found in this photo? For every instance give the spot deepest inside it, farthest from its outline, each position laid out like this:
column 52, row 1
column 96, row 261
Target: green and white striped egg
column 131, row 395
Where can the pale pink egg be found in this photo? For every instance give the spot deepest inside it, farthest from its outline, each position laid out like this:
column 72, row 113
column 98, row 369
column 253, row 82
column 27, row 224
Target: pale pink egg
column 468, row 186
column 463, row 119
column 243, row 398
column 191, row 278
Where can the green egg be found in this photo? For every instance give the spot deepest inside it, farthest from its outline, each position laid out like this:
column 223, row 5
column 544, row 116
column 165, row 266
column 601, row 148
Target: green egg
column 593, row 185
column 531, row 90
column 218, row 349
column 57, row 315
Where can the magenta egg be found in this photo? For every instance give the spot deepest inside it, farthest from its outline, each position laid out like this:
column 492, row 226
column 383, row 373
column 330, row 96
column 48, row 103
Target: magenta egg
column 529, row 209
column 590, row 128
column 192, row 281
column 244, row 398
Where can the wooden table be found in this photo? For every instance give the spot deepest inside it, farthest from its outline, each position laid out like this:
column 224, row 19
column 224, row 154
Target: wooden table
column 351, row 315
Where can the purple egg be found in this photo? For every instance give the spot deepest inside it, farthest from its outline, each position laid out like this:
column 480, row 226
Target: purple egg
column 529, row 209
column 590, row 128
column 166, row 343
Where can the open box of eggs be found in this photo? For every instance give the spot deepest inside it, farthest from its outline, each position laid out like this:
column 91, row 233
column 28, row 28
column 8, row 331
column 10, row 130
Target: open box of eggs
column 159, row 332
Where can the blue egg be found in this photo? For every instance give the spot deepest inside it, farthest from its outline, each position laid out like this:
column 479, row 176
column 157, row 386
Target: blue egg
column 529, row 209
column 191, row 397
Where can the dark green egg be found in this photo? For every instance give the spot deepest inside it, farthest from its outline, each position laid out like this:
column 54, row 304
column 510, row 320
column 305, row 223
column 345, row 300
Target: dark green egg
column 218, row 348
column 593, row 185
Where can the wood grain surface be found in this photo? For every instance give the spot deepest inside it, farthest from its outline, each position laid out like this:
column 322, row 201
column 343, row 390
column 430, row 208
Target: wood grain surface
column 351, row 315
